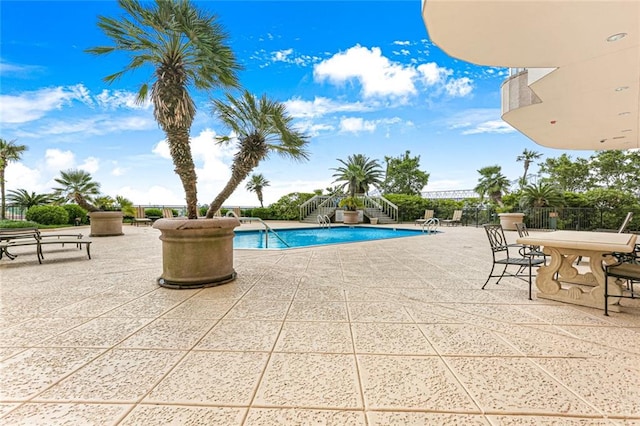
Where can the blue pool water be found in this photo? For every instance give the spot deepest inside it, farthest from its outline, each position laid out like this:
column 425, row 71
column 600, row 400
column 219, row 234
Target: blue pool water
column 304, row 237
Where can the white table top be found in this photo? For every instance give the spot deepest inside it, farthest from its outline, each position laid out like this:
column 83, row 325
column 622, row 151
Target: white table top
column 584, row 240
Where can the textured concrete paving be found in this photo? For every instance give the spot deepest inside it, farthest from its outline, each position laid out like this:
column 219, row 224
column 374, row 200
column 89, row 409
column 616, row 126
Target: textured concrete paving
column 378, row 333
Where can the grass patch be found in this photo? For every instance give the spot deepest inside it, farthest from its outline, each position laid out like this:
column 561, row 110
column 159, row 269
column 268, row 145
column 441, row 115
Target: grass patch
column 28, row 224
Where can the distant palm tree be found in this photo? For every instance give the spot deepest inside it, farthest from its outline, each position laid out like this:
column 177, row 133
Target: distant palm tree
column 22, row 198
column 259, row 127
column 492, row 183
column 256, row 184
column 78, row 186
column 358, row 174
column 541, row 195
column 104, row 202
column 527, row 157
column 9, row 151
column 126, row 206
column 185, row 48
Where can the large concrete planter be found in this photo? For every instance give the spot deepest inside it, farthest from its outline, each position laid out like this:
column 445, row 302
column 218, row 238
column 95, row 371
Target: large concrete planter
column 106, row 224
column 350, row 217
column 196, row 253
column 509, row 220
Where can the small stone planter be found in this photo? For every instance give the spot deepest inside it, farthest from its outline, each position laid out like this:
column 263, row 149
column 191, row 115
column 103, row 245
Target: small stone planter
column 509, row 220
column 106, row 224
column 196, row 253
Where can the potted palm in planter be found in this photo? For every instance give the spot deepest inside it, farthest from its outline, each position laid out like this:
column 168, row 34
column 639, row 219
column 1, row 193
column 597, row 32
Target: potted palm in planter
column 187, row 48
column 351, row 206
column 78, row 186
column 358, row 173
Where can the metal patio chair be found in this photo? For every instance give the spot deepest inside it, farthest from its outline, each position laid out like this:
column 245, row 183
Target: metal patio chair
column 528, row 250
column 500, row 252
column 627, row 268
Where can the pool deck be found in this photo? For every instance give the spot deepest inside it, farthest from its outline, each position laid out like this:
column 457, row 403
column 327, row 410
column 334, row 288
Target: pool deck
column 373, row 333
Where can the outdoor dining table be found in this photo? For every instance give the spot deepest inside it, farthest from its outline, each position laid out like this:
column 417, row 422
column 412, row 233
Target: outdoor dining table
column 564, row 247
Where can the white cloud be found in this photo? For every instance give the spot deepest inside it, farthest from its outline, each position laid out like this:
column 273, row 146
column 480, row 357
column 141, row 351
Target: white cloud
column 113, row 99
column 281, row 55
column 312, row 129
column 287, row 56
column 380, row 77
column 356, row 125
column 19, row 176
column 212, row 159
column 433, row 74
column 402, row 43
column 56, row 159
column 29, row 106
column 90, row 165
column 479, row 120
column 118, row 171
column 162, row 149
column 377, row 75
column 96, row 125
column 493, row 126
column 320, row 106
column 459, row 87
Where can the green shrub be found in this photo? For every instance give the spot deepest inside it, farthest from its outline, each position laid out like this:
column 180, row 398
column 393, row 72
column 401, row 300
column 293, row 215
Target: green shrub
column 288, row 207
column 153, row 212
column 263, row 213
column 410, row 207
column 74, row 210
column 48, row 215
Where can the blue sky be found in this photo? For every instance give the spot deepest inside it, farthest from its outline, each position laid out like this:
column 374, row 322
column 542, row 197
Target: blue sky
column 359, row 77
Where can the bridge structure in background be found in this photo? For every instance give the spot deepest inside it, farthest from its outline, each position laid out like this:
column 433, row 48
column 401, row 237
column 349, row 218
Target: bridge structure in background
column 455, row 194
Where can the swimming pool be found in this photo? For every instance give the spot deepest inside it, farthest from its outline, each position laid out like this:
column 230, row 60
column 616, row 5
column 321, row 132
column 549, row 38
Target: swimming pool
column 305, row 237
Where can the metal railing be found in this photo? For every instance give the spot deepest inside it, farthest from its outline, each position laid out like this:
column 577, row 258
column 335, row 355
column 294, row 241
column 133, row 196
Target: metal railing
column 325, row 205
column 320, row 204
column 384, row 205
column 549, row 218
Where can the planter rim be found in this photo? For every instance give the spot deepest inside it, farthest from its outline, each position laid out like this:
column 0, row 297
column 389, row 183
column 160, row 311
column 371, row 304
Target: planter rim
column 106, row 213
column 510, row 214
column 180, row 223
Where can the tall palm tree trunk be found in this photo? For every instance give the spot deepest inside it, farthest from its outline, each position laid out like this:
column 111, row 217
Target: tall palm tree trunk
column 2, row 214
column 238, row 174
column 523, row 182
column 178, row 140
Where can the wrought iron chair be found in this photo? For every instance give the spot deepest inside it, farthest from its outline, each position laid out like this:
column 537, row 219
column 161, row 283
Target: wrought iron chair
column 500, row 253
column 528, row 250
column 627, row 268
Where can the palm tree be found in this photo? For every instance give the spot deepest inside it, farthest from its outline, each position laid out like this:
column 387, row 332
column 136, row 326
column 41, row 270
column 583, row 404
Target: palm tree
column 259, row 127
column 492, row 184
column 104, row 202
column 359, row 173
column 78, row 186
column 256, row 184
column 186, row 48
column 541, row 195
column 126, row 206
column 527, row 157
column 22, row 198
column 9, row 151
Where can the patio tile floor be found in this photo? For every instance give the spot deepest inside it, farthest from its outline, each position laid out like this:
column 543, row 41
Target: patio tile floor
column 373, row 333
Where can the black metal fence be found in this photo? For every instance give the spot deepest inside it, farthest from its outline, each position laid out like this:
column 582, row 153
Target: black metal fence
column 570, row 218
